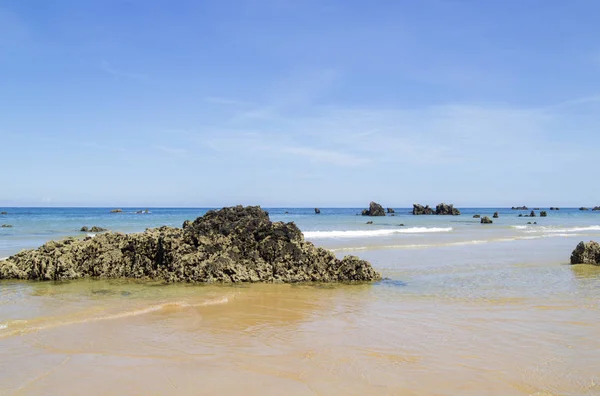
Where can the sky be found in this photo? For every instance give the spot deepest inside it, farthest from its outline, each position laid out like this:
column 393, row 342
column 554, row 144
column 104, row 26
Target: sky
column 287, row 103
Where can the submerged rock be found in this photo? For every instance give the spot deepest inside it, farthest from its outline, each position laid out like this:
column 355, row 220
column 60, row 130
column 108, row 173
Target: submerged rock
column 236, row 244
column 374, row 210
column 486, row 220
column 586, row 253
column 369, row 222
column 116, row 211
column 3, row 213
column 6, row 225
column 92, row 229
column 317, row 211
column 496, row 215
column 477, row 216
column 390, row 210
column 520, row 214
column 543, row 213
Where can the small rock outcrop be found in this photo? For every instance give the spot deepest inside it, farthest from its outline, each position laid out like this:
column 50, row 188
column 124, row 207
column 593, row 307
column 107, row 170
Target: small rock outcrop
column 553, row 208
column 390, row 210
column 586, row 253
column 3, row 213
column 486, row 220
column 6, row 225
column 543, row 213
column 116, row 211
column 596, row 208
column 421, row 210
column 496, row 215
column 446, row 210
column 374, row 210
column 92, row 229
column 532, row 214
column 317, row 211
column 236, row 244
column 583, row 208
column 520, row 208
column 520, row 214
column 477, row 216
column 369, row 222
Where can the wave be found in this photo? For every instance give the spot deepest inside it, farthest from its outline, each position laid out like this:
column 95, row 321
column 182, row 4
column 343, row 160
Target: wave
column 561, row 230
column 120, row 315
column 373, row 233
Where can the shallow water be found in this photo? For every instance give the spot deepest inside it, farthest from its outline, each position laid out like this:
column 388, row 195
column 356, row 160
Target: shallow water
column 492, row 310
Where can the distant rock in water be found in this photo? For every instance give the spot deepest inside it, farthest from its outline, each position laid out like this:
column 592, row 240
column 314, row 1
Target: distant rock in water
column 441, row 209
column 596, row 208
column 374, row 210
column 92, row 229
column 586, row 253
column 543, row 213
column 422, row 210
column 520, row 208
column 477, row 216
column 486, row 220
column 3, row 213
column 446, row 210
column 532, row 214
column 583, row 208
column 390, row 210
column 536, row 208
column 236, row 244
column 317, row 211
column 116, row 211
column 369, row 222
column 496, row 215
column 6, row 225
column 520, row 214
column 553, row 208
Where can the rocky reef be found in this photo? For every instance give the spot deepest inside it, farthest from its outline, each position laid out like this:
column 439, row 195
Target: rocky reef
column 486, row 220
column 235, row 244
column 441, row 209
column 586, row 253
column 374, row 210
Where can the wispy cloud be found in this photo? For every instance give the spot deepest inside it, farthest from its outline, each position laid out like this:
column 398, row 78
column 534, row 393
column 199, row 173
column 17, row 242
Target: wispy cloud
column 107, row 67
column 177, row 152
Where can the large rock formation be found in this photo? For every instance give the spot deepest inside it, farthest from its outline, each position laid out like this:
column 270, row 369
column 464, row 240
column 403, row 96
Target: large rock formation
column 441, row 209
column 374, row 210
column 447, row 210
column 422, row 210
column 586, row 253
column 486, row 220
column 237, row 244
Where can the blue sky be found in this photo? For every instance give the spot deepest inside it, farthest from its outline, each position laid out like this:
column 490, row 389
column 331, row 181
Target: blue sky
column 299, row 103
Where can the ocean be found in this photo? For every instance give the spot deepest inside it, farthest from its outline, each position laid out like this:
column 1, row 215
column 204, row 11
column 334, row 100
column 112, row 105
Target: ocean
column 465, row 308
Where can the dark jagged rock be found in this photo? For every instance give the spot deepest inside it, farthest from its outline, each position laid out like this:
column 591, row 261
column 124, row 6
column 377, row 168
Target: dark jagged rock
column 553, row 208
column 116, row 211
column 317, row 211
column 446, row 210
column 476, row 216
column 6, row 225
column 421, row 210
column 486, row 220
column 401, row 225
column 532, row 214
column 390, row 210
column 496, row 215
column 583, row 208
column 369, row 222
column 3, row 213
column 586, row 253
column 520, row 208
column 543, row 213
column 520, row 214
column 236, row 244
column 374, row 210
column 596, row 208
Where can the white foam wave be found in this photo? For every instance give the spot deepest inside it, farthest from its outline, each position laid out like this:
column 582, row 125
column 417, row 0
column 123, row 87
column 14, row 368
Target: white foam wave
column 3, row 326
column 564, row 230
column 373, row 233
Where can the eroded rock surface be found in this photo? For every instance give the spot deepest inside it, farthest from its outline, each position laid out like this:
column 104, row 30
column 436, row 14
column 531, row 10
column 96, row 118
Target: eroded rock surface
column 586, row 253
column 236, row 244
